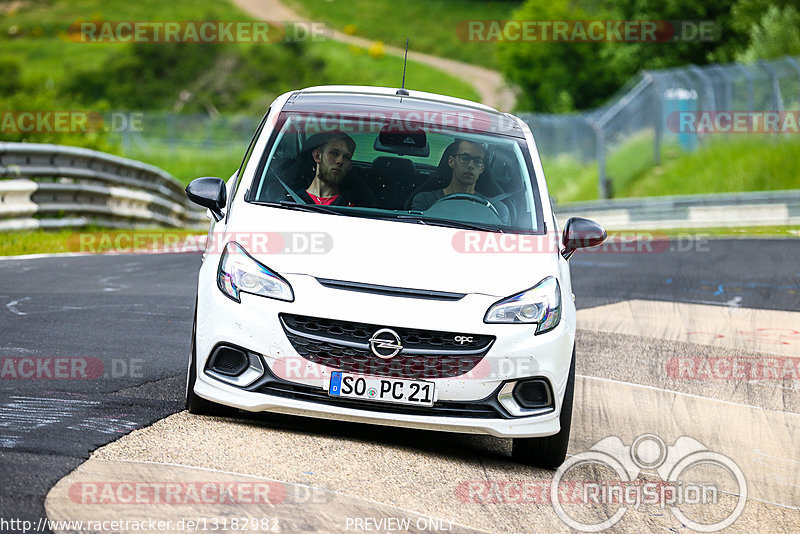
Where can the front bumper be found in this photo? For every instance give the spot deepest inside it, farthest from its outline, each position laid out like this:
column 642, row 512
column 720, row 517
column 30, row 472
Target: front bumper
column 546, row 425
column 254, row 325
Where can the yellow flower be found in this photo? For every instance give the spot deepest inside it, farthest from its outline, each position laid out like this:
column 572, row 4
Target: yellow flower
column 376, row 50
column 350, row 29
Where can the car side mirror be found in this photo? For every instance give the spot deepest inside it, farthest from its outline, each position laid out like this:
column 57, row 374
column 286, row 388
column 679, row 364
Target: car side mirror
column 210, row 193
column 581, row 233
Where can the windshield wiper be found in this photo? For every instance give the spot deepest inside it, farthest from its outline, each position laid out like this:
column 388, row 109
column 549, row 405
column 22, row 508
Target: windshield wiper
column 450, row 224
column 300, row 207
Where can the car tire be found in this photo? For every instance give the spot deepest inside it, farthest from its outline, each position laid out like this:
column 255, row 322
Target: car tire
column 196, row 404
column 551, row 451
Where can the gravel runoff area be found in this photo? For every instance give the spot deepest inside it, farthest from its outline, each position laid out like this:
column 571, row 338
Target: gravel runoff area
column 369, row 472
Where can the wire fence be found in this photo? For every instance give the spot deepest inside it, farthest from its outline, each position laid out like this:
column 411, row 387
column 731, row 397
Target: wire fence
column 676, row 107
column 656, row 109
column 156, row 130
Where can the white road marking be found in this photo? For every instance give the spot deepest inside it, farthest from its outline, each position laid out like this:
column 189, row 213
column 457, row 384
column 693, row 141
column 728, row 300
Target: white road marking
column 105, row 425
column 12, row 306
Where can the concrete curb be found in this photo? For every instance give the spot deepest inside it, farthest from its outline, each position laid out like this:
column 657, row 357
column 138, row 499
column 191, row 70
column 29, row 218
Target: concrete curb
column 763, row 208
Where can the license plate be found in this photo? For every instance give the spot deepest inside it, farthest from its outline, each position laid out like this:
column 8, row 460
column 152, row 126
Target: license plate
column 395, row 390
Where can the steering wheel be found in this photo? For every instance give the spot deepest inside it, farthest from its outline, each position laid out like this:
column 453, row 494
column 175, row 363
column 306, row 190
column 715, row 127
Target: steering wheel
column 472, row 198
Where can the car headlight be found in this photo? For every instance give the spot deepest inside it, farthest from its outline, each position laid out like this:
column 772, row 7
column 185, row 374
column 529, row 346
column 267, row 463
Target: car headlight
column 238, row 273
column 541, row 305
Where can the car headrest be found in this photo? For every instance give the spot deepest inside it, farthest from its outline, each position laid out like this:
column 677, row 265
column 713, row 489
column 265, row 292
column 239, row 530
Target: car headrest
column 393, row 165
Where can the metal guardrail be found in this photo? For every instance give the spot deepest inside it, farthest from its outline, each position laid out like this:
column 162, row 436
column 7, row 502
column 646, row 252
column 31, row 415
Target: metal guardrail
column 767, row 208
column 55, row 186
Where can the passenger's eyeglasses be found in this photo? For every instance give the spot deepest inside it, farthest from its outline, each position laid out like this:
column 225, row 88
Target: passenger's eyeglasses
column 465, row 158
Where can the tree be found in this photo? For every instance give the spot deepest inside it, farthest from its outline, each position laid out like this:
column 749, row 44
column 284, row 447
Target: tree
column 556, row 76
column 561, row 76
column 775, row 35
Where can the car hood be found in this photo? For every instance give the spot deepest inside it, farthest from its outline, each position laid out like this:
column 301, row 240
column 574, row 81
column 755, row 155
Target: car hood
column 390, row 253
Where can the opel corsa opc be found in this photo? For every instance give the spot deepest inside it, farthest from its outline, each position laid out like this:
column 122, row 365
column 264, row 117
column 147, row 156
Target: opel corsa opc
column 390, row 257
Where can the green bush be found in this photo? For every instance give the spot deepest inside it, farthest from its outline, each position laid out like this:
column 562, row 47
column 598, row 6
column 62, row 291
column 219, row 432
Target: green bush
column 563, row 76
column 143, row 75
column 46, row 100
column 775, row 35
column 10, row 77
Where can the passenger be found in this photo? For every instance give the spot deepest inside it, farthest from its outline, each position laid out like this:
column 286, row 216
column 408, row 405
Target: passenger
column 467, row 164
column 333, row 160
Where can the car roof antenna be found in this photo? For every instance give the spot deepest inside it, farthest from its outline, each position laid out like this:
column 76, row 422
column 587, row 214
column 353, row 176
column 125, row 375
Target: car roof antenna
column 403, row 91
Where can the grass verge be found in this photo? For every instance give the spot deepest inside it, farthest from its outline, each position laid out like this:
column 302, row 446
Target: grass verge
column 97, row 240
column 744, row 232
column 752, row 163
column 391, row 23
column 92, row 240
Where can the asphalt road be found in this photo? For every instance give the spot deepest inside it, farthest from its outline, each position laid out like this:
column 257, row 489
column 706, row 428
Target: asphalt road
column 113, row 327
column 116, row 329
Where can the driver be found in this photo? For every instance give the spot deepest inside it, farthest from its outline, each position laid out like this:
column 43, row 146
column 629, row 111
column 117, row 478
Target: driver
column 467, row 164
column 333, row 159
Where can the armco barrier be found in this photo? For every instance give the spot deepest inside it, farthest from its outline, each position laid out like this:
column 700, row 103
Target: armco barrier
column 768, row 208
column 52, row 186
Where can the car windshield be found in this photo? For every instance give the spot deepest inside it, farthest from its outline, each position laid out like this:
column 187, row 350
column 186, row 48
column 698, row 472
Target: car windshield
column 419, row 172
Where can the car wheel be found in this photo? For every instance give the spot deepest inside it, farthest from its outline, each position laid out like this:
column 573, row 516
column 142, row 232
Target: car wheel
column 549, row 452
column 194, row 403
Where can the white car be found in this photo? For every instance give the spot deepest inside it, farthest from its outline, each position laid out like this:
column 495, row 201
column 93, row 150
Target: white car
column 390, row 257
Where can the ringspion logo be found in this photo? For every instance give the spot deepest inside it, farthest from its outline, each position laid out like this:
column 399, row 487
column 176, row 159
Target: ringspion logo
column 691, row 475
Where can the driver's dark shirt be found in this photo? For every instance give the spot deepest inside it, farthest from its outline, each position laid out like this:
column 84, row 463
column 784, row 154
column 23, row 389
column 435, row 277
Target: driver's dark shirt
column 423, row 201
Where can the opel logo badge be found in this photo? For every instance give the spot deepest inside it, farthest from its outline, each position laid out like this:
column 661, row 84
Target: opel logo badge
column 385, row 343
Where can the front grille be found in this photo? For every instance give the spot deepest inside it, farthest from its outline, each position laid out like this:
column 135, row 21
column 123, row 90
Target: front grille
column 344, row 345
column 487, row 408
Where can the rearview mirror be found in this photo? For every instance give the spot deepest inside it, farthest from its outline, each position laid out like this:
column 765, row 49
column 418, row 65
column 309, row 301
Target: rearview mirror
column 210, row 193
column 410, row 143
column 581, row 233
